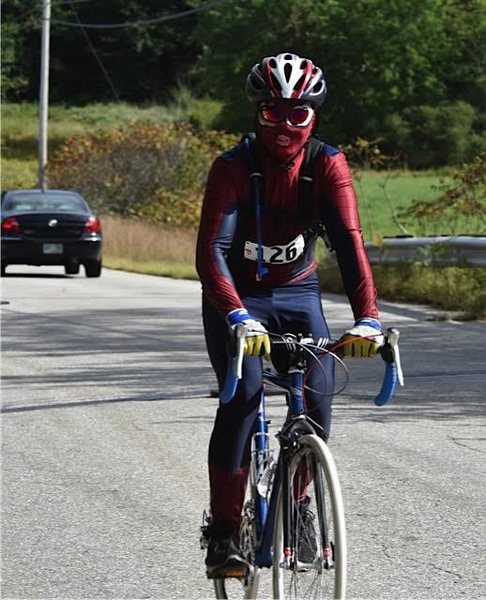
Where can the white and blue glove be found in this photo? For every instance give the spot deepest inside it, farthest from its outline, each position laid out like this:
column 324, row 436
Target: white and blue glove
column 364, row 339
column 257, row 342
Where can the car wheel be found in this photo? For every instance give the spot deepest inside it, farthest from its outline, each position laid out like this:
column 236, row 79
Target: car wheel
column 93, row 268
column 71, row 268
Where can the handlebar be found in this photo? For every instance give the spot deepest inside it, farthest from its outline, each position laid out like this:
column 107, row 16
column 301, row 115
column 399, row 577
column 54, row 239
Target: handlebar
column 389, row 351
column 393, row 367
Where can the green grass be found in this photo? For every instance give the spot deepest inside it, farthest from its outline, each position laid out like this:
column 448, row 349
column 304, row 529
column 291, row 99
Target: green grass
column 20, row 123
column 381, row 195
column 17, row 173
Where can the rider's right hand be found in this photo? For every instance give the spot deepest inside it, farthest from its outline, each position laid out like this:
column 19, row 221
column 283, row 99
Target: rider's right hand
column 257, row 342
column 364, row 339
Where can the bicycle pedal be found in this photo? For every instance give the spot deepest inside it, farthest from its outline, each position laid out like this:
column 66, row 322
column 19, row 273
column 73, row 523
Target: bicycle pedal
column 236, row 574
column 204, row 541
column 304, row 567
column 204, row 529
column 230, row 572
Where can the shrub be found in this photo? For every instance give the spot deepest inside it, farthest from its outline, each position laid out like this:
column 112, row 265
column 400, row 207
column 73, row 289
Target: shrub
column 18, row 174
column 146, row 170
column 449, row 134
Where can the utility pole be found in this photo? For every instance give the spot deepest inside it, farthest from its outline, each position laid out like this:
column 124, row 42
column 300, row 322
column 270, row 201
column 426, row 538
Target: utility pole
column 44, row 93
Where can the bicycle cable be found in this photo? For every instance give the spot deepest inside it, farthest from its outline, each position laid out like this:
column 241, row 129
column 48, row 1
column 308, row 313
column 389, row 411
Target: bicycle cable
column 292, row 342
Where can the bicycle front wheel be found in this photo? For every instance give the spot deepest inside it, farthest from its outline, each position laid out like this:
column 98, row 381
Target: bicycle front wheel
column 313, row 565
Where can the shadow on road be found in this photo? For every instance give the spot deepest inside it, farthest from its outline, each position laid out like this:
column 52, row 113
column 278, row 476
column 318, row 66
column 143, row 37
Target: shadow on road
column 157, row 354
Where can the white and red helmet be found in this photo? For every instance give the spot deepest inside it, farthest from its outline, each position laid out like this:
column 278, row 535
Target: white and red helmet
column 286, row 76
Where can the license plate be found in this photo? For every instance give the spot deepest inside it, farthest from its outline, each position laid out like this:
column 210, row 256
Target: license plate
column 52, row 249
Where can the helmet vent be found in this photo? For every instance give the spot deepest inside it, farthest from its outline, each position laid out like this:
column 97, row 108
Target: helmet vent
column 276, row 83
column 303, row 65
column 273, row 63
column 257, row 83
column 300, row 83
column 288, row 71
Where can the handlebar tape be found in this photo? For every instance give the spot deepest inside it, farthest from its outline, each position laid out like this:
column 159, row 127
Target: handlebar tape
column 390, row 378
column 230, row 384
column 388, row 385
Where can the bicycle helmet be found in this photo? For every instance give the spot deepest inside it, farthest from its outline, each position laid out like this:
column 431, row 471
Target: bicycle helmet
column 286, row 76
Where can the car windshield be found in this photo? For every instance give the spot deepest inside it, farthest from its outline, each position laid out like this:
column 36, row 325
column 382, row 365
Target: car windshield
column 45, row 202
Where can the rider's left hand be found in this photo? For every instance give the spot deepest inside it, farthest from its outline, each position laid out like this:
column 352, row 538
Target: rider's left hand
column 364, row 339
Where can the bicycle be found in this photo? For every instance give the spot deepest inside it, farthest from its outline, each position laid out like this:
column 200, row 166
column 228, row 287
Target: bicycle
column 305, row 547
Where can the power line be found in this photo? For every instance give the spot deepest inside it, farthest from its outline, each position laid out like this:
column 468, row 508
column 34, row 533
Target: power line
column 141, row 22
column 33, row 12
column 93, row 50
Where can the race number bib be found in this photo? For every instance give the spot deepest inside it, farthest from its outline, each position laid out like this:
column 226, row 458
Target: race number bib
column 276, row 255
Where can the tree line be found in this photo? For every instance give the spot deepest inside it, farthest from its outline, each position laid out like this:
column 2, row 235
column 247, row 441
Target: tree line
column 409, row 73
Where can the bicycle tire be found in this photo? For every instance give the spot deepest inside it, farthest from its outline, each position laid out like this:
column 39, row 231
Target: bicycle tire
column 314, row 577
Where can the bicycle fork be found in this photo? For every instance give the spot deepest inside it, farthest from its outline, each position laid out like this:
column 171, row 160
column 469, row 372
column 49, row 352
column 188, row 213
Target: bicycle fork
column 288, row 444
column 326, row 544
column 288, row 551
column 263, row 467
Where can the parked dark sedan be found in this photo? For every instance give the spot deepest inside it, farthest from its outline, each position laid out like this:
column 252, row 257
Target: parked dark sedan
column 50, row 227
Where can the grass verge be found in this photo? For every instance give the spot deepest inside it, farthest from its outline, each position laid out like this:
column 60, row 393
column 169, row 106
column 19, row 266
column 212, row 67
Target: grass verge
column 137, row 246
column 458, row 289
column 151, row 267
column 157, row 250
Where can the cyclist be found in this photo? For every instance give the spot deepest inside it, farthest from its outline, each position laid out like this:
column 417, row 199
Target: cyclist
column 255, row 260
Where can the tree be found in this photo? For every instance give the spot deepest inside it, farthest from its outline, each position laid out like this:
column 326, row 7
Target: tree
column 135, row 63
column 393, row 67
column 380, row 57
column 19, row 58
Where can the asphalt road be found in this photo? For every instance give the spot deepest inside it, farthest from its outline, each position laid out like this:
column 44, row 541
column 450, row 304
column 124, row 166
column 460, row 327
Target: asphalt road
column 107, row 416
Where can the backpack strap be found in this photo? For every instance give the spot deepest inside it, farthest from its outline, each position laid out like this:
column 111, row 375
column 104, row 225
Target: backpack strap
column 256, row 182
column 306, row 181
column 307, row 172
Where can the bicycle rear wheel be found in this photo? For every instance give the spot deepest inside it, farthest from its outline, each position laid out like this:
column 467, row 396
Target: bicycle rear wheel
column 315, row 565
column 230, row 588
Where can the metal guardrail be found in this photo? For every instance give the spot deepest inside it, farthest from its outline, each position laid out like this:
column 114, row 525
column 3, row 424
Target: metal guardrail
column 462, row 250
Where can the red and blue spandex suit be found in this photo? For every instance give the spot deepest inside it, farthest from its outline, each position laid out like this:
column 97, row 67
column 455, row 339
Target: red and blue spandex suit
column 287, row 299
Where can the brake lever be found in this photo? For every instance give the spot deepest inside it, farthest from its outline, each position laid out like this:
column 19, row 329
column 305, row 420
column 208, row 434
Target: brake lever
column 392, row 336
column 240, row 335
